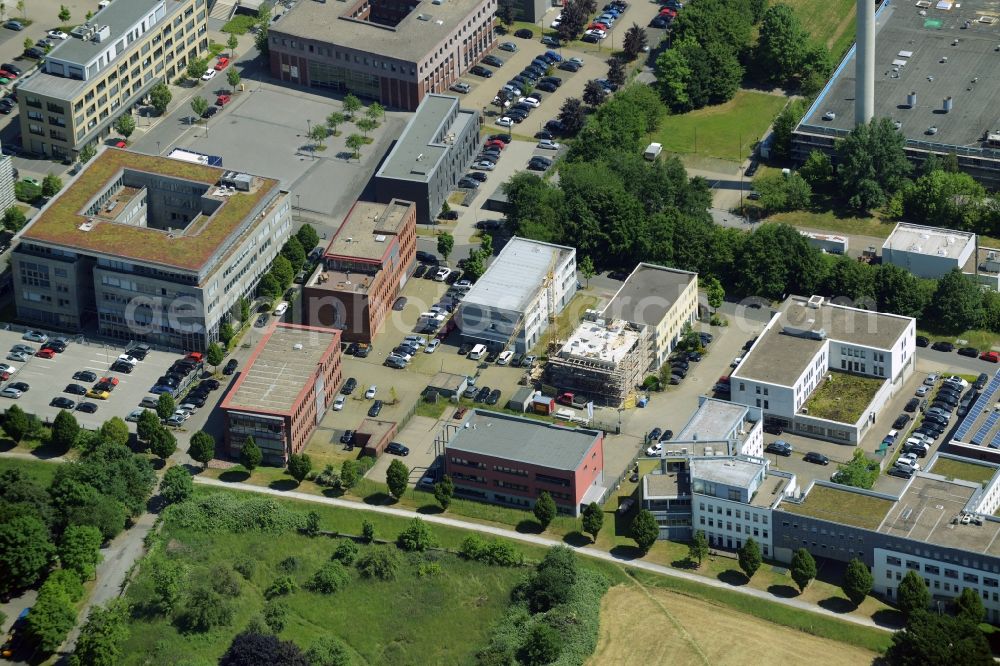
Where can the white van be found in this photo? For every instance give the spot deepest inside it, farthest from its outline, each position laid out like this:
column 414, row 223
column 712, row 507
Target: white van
column 427, row 317
column 477, row 352
column 281, row 309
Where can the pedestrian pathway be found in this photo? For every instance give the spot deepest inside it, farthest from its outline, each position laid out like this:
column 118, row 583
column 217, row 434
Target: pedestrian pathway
column 538, row 540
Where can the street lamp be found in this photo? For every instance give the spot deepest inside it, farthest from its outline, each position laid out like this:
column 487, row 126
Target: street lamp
column 157, row 147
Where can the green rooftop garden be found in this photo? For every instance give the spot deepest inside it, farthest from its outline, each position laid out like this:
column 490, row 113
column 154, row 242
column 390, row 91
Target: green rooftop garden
column 966, row 471
column 843, row 506
column 843, row 397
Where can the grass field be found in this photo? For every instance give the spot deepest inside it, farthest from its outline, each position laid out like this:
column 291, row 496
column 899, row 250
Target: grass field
column 956, row 469
column 688, row 631
column 725, row 131
column 844, row 397
column 831, row 23
column 42, row 472
column 834, row 223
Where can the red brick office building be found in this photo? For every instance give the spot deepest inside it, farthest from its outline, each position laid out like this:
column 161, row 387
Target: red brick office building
column 283, row 391
column 366, row 264
column 510, row 460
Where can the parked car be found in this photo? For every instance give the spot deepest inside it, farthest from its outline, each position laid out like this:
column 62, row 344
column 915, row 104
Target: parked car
column 991, row 356
column 35, row 336
column 817, row 458
column 922, row 341
column 779, row 447
column 86, row 407
column 479, row 70
column 524, row 33
column 943, row 346
column 911, row 405
column 460, row 87
column 510, row 47
column 970, row 352
column 493, row 61
column 374, row 410
column 230, row 367
column 901, row 421
column 397, row 449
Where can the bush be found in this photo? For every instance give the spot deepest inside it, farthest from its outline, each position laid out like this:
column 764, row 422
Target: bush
column 553, row 579
column 27, row 192
column 245, row 566
column 275, row 615
column 223, row 512
column 542, row 646
column 205, row 610
column 331, row 577
column 290, row 564
column 225, row 582
column 416, row 537
column 381, row 562
column 345, row 552
column 495, row 551
column 328, row 478
column 425, row 569
column 281, row 586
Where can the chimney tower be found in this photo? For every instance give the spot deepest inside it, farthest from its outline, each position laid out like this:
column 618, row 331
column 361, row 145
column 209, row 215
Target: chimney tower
column 864, row 64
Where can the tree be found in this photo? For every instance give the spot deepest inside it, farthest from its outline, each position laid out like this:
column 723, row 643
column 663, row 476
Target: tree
column 87, row 153
column 196, row 68
column 328, row 651
column 299, row 466
column 912, row 594
column 115, row 431
column 255, row 649
column 586, row 268
column 367, row 531
column 348, row 473
column 445, row 244
column 204, row 610
column 51, row 185
column 365, row 125
column 333, row 120
column 250, row 455
column 233, row 78
column 64, row 14
column 160, row 97
column 544, row 509
column 778, row 192
column 80, row 550
column 331, row 577
column 542, row 646
column 307, row 236
column 283, row 269
column 268, row 286
column 351, row 105
column 930, row 638
column 781, row 46
column 215, row 355
column 381, row 562
column 375, row 112
column 858, row 581
column 594, row 93
column 945, row 199
column 162, row 444
column 125, row 125
column 102, row 637
column 969, row 607
column 781, row 130
column 616, row 72
column 803, row 568
column 444, row 490
column 51, row 618
column 232, row 43
column 506, row 12
column 15, row 423
column 553, row 580
column 199, row 105
column 397, row 477
column 294, row 252
column 715, row 294
column 354, row 142
column 749, row 558
column 416, row 537
column 817, row 170
column 860, row 472
column 635, row 41
column 165, row 406
column 65, row 430
column 177, row 485
column 147, row 424
column 572, row 115
column 645, row 530
column 957, row 304
column 25, row 550
column 872, row 163
column 475, row 266
column 593, row 520
column 167, row 576
column 202, row 447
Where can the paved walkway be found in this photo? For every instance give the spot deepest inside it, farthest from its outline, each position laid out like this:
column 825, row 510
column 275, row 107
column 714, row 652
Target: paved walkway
column 546, row 542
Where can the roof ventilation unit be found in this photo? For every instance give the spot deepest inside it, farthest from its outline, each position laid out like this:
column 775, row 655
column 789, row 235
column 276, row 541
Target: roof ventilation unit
column 911, row 99
column 948, row 104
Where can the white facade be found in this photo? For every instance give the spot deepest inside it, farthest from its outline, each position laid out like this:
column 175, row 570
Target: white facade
column 928, row 252
column 728, row 524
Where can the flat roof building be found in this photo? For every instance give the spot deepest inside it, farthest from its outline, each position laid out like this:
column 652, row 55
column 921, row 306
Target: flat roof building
column 363, row 269
column 283, row 391
column 105, row 68
column 510, row 460
column 149, row 248
column 935, row 79
column 928, row 252
column 510, row 305
column 395, row 53
column 430, row 157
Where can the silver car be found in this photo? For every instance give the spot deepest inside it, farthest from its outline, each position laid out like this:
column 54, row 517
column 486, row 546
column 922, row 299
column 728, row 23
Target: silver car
column 10, row 393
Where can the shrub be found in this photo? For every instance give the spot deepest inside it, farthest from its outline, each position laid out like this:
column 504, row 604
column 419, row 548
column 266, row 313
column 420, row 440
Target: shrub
column 416, row 537
column 495, row 551
column 328, row 478
column 281, row 586
column 472, row 547
column 345, row 552
column 223, row 512
column 381, row 562
column 205, row 610
column 275, row 615
column 245, row 566
column 225, row 582
column 331, row 577
column 290, row 564
column 426, row 569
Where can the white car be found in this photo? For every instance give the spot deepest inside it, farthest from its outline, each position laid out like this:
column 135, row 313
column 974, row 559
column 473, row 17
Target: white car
column 442, row 274
column 10, row 393
column 460, row 87
column 556, row 23
column 655, row 449
column 125, row 358
column 35, row 336
column 432, row 347
column 484, row 165
column 504, row 121
column 597, row 32
column 372, row 390
column 505, row 357
column 209, row 75
column 17, row 356
column 415, row 340
column 548, row 144
column 514, row 90
column 57, row 34
column 8, row 368
column 338, row 403
column 530, row 101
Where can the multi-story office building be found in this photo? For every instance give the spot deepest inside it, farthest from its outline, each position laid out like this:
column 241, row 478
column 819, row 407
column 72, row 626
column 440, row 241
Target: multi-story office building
column 511, row 460
column 365, row 266
column 511, row 303
column 430, row 157
column 393, row 52
column 104, row 69
column 283, row 391
column 149, row 248
column 803, row 343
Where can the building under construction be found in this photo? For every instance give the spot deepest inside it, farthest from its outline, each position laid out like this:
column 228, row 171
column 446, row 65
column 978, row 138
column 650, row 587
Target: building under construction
column 604, row 359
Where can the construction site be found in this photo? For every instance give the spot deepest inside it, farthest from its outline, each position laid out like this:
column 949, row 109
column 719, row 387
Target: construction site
column 603, row 359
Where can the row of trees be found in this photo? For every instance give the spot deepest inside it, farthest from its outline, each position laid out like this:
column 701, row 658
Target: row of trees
column 292, row 259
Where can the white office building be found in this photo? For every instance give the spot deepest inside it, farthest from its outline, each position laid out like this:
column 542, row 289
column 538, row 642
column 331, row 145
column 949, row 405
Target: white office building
column 928, row 252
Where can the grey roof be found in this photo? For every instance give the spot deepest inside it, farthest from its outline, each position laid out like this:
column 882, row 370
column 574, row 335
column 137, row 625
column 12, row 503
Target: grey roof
column 713, row 420
column 520, row 439
column 279, row 372
column 367, row 231
column 732, row 472
column 931, row 241
column 447, row 381
column 516, row 276
column 648, row 294
column 899, row 28
column 409, row 40
column 420, row 149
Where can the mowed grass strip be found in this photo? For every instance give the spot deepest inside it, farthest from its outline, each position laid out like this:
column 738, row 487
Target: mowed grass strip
column 41, row 472
column 830, row 23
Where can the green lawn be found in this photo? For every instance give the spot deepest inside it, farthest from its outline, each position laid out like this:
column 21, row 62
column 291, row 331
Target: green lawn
column 843, row 397
column 845, row 506
column 725, row 131
column 832, row 222
column 831, row 23
column 967, row 471
column 39, row 471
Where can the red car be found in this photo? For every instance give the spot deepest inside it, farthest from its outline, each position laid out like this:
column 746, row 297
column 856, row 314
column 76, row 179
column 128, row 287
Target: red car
column 221, row 65
column 45, row 352
column 111, row 381
column 223, row 100
column 990, row 356
column 120, row 144
column 598, row 26
column 495, row 144
column 195, row 356
column 667, row 11
column 8, row 75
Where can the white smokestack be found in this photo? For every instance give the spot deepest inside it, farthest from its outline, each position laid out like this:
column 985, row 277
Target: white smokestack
column 864, row 64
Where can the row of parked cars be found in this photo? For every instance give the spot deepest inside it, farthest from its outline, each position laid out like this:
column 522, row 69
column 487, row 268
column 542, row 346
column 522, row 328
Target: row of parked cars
column 668, row 12
column 936, row 419
column 970, row 352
